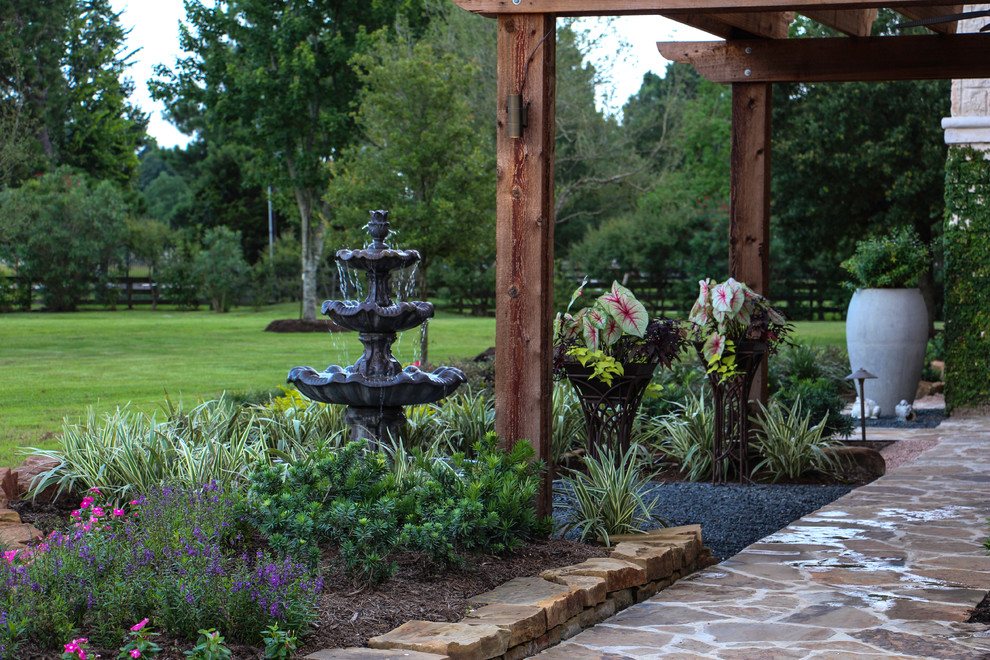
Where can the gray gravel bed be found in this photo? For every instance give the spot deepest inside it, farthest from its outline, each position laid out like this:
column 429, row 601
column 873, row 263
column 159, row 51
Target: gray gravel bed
column 731, row 516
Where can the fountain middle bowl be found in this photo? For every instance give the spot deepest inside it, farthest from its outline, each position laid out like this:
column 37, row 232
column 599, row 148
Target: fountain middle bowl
column 409, row 387
column 370, row 317
column 378, row 260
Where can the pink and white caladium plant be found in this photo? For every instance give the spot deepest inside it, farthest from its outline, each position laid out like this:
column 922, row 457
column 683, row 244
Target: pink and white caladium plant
column 728, row 312
column 615, row 312
column 612, row 330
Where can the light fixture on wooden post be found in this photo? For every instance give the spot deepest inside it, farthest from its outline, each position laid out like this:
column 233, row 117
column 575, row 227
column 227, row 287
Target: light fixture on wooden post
column 859, row 376
column 518, row 115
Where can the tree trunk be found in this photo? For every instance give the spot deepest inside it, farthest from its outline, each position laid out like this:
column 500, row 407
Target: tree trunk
column 313, row 232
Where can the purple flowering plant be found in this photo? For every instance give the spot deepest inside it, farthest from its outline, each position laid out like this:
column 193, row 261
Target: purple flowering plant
column 173, row 555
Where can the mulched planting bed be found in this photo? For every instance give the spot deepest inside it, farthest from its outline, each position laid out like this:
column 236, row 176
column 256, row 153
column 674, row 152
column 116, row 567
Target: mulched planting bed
column 732, row 517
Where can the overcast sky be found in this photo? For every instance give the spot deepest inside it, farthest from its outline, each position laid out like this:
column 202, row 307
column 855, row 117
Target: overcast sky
column 154, row 29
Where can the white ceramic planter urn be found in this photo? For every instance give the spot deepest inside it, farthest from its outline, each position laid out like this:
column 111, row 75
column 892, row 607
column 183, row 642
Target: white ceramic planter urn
column 886, row 334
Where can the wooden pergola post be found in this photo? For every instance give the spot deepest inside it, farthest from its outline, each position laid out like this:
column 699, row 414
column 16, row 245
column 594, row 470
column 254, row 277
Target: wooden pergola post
column 524, row 237
column 749, row 190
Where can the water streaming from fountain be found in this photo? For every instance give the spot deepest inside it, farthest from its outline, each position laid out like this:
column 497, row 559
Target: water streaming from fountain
column 376, row 387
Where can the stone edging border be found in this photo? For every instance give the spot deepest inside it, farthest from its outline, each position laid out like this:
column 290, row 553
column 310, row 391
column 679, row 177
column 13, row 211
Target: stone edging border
column 527, row 615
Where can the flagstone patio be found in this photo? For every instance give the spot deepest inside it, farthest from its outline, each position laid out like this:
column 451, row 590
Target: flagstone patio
column 891, row 570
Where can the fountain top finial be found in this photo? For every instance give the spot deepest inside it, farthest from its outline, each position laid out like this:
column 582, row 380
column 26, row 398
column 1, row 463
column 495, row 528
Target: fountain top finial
column 378, row 228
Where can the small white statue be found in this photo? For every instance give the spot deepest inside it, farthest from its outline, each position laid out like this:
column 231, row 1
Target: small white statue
column 872, row 409
column 904, row 410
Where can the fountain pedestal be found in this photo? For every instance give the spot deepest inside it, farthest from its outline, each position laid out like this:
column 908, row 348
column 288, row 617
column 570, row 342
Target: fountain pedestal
column 376, row 387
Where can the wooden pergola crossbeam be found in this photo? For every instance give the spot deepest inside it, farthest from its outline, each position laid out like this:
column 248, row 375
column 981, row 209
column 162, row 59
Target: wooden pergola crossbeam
column 916, row 57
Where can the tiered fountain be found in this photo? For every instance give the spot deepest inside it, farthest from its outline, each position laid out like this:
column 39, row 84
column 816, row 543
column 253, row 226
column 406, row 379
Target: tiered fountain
column 376, row 387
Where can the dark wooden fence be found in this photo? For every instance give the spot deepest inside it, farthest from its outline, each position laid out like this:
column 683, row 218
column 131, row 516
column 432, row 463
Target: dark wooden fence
column 801, row 300
column 17, row 294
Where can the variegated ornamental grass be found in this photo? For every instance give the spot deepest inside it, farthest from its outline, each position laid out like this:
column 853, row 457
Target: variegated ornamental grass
column 127, row 452
column 687, row 436
column 790, row 444
column 611, row 494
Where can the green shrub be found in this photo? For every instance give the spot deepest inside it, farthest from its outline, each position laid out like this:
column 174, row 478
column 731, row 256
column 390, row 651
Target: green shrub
column 787, row 443
column 816, row 377
column 893, row 261
column 967, row 278
column 177, row 276
column 219, row 267
column 610, row 496
column 62, row 231
column 275, row 277
column 351, row 498
column 802, row 362
column 821, row 399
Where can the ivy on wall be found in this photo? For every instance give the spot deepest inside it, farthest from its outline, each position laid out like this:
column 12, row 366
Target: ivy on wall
column 967, row 278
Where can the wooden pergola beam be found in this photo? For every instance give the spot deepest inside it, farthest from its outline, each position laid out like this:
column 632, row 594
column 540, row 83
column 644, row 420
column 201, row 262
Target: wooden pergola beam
column 855, row 23
column 674, row 7
column 769, row 25
column 917, row 13
column 921, row 57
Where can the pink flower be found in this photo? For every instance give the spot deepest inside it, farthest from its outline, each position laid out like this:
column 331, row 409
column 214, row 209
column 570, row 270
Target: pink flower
column 82, row 655
column 118, row 512
column 76, row 514
column 135, row 653
column 96, row 490
column 137, row 626
column 86, row 502
column 71, row 647
column 134, row 502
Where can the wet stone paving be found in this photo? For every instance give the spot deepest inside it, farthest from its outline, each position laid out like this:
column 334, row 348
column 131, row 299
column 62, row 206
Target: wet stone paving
column 891, row 570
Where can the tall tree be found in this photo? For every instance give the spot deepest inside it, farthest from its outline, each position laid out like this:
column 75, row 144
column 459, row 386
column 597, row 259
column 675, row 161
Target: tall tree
column 678, row 227
column 62, row 63
column 855, row 159
column 274, row 77
column 421, row 155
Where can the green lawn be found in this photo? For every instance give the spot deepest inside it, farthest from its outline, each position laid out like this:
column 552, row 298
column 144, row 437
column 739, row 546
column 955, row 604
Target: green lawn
column 55, row 365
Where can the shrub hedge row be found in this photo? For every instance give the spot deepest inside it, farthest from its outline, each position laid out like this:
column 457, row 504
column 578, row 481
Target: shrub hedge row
column 967, row 279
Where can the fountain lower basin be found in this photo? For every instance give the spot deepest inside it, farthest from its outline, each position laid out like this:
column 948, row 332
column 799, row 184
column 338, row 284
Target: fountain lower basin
column 344, row 385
